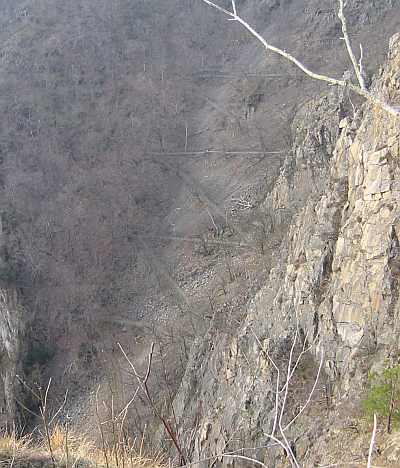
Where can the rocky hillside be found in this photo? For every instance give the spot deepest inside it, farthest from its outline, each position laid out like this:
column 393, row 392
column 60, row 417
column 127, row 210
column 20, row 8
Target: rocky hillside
column 163, row 179
column 331, row 300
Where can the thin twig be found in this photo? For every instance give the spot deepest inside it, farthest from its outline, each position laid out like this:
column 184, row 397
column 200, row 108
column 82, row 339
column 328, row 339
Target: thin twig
column 14, row 451
column 213, row 222
column 281, row 401
column 283, row 404
column 310, row 395
column 60, row 408
column 66, row 444
column 103, row 441
column 265, row 352
column 43, row 413
column 36, row 395
column 126, row 407
column 235, row 452
column 143, row 383
column 303, row 351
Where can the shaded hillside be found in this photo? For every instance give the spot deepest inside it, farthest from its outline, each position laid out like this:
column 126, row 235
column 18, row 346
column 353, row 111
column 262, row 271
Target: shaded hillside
column 111, row 228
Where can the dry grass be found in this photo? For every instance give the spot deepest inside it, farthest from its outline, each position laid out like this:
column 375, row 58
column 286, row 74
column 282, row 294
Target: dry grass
column 71, row 450
column 11, row 449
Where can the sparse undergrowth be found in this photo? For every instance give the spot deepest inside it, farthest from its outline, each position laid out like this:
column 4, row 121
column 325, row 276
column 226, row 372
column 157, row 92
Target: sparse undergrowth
column 383, row 396
column 70, row 450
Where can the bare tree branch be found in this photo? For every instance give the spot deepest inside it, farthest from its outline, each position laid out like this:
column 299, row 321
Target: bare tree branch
column 357, row 69
column 359, row 89
column 281, row 399
column 303, row 351
column 360, row 64
column 234, row 7
column 214, row 5
column 43, row 413
column 371, row 445
column 310, row 395
column 126, row 407
column 264, row 351
column 235, row 453
column 143, row 381
column 287, row 56
column 60, row 408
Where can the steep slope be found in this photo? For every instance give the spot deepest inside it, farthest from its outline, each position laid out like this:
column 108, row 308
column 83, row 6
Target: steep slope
column 138, row 143
column 334, row 287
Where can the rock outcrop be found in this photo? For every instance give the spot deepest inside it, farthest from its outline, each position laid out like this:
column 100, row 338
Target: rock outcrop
column 11, row 331
column 335, row 280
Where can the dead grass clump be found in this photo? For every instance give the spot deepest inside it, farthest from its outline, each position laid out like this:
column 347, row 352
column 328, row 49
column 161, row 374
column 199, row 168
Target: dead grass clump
column 70, row 450
column 12, row 448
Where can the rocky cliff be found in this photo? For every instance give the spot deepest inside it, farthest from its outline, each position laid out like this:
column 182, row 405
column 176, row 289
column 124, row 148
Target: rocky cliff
column 332, row 296
column 11, row 329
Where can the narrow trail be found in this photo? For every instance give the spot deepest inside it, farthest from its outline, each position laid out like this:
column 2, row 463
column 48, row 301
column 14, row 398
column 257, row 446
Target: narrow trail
column 198, row 240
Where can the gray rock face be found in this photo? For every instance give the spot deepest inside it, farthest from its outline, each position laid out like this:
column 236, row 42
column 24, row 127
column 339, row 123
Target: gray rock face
column 336, row 275
column 10, row 324
column 11, row 329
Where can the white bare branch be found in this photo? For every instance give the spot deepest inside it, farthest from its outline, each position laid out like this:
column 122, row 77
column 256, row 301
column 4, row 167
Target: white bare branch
column 126, row 407
column 281, row 394
column 235, row 453
column 244, row 204
column 292, row 456
column 309, row 396
column 359, row 89
column 234, row 7
column 223, row 10
column 277, row 382
column 270, row 436
column 60, row 408
column 303, row 351
column 371, row 445
column 360, row 77
column 289, row 373
column 287, row 56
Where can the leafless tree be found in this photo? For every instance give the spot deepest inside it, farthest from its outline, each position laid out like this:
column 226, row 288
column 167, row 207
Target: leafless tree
column 278, row 436
column 278, row 433
column 143, row 385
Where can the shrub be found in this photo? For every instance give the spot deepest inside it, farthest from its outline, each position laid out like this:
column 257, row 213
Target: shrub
column 383, row 396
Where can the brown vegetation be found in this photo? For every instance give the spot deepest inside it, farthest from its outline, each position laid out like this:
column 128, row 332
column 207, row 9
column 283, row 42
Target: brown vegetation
column 70, row 450
column 137, row 143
